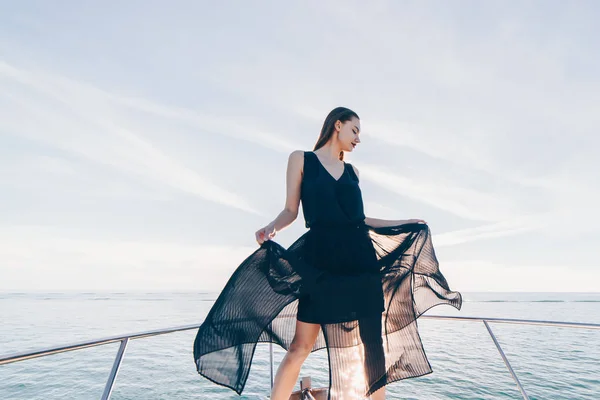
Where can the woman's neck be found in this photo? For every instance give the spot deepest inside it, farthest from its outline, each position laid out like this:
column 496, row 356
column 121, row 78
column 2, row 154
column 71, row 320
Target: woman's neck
column 330, row 153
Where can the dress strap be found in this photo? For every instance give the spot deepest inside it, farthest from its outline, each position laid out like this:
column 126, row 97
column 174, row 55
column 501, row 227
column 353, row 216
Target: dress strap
column 351, row 169
column 310, row 164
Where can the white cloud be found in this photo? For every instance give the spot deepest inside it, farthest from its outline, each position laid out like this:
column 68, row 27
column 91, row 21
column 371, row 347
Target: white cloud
column 88, row 125
column 38, row 258
column 499, row 229
column 488, row 276
column 494, row 112
column 461, row 201
column 231, row 126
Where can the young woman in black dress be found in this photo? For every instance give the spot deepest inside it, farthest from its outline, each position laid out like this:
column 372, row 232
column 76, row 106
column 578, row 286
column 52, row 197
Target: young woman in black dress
column 352, row 284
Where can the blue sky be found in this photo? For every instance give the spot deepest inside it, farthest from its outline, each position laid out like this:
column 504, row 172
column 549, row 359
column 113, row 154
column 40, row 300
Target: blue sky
column 143, row 143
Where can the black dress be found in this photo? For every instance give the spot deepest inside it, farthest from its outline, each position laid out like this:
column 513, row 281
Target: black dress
column 365, row 286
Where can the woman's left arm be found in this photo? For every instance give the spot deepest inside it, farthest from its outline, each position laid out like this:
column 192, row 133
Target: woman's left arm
column 383, row 223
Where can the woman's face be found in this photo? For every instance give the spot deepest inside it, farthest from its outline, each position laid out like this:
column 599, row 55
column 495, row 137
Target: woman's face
column 348, row 133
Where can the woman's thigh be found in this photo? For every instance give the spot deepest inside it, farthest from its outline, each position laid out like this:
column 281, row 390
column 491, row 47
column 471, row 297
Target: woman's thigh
column 306, row 334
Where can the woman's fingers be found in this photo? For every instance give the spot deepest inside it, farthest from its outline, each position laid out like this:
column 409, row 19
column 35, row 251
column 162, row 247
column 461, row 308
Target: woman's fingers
column 259, row 237
column 266, row 233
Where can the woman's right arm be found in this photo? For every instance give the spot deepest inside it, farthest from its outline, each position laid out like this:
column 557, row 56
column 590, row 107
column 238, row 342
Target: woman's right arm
column 292, row 203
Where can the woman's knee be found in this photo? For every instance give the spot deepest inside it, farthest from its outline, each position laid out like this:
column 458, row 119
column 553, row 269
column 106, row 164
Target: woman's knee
column 300, row 349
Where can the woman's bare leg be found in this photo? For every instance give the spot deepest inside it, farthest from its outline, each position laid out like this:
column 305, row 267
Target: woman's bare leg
column 289, row 369
column 379, row 394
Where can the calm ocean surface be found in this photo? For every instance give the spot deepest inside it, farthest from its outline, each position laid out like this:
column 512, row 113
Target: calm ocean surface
column 552, row 363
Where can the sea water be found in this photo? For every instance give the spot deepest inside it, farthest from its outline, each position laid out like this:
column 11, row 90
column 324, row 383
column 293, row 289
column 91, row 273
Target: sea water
column 550, row 362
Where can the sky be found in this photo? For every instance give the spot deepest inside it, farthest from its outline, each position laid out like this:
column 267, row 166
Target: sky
column 142, row 143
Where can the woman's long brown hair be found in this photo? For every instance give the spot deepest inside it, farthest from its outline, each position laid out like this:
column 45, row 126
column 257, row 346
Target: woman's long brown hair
column 342, row 114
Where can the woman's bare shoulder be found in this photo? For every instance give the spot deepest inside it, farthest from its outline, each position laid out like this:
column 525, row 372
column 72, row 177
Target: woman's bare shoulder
column 296, row 160
column 297, row 154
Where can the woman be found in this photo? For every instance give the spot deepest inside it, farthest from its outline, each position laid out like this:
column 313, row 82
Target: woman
column 352, row 284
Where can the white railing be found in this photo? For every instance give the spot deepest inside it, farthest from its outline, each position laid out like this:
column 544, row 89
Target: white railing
column 124, row 340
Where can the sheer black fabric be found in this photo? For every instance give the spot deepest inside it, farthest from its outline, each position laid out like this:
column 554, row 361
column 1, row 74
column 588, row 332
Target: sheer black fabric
column 365, row 286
